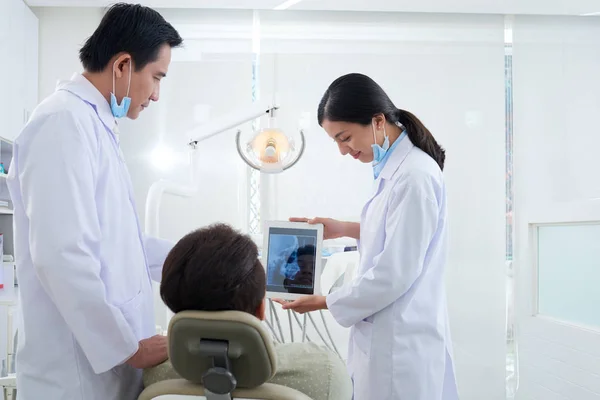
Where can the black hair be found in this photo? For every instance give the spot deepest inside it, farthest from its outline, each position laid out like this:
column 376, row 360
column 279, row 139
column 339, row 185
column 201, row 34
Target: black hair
column 356, row 98
column 128, row 28
column 215, row 268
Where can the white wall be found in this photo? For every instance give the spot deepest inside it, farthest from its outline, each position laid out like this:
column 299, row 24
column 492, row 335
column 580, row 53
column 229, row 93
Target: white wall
column 59, row 52
column 555, row 63
column 448, row 70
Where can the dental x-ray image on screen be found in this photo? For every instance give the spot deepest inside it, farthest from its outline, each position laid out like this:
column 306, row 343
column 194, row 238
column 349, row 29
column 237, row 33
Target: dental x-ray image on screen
column 293, row 264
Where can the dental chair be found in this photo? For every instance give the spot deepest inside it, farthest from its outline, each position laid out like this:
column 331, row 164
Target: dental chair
column 220, row 356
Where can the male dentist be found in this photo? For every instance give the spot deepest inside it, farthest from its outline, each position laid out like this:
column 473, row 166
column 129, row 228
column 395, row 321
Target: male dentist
column 84, row 266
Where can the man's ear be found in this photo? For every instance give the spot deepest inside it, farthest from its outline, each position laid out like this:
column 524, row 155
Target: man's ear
column 260, row 311
column 120, row 63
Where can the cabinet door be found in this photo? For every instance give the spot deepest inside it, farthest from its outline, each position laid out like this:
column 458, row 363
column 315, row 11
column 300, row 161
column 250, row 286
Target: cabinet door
column 15, row 78
column 4, row 335
column 30, row 68
column 4, row 100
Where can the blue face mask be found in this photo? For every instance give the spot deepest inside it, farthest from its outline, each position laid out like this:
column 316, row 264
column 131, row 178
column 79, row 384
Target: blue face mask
column 381, row 153
column 120, row 110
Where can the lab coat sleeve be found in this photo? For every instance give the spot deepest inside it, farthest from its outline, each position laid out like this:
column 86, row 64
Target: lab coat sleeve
column 410, row 225
column 156, row 253
column 57, row 170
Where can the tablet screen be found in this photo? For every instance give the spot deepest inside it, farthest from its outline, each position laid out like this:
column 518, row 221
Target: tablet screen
column 291, row 260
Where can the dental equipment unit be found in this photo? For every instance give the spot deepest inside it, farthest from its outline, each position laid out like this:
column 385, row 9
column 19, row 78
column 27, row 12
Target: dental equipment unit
column 270, row 151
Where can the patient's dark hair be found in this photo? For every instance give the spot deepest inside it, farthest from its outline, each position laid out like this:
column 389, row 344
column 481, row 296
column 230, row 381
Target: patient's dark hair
column 215, row 268
column 309, row 249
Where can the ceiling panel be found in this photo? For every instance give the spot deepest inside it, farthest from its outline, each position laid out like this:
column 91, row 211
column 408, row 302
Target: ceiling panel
column 544, row 7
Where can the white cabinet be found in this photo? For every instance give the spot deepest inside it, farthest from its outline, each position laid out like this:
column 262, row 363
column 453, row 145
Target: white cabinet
column 19, row 96
column 4, row 64
column 19, row 67
column 9, row 292
column 9, row 317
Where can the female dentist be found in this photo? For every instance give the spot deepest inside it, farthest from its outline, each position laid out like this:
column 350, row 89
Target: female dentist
column 400, row 347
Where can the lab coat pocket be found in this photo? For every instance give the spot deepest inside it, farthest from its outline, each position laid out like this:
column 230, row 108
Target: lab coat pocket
column 363, row 332
column 132, row 312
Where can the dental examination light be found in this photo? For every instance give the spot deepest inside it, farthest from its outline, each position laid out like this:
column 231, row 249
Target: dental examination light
column 269, row 151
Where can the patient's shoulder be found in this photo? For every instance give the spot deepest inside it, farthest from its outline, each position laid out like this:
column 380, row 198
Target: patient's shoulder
column 306, row 353
column 314, row 370
column 161, row 372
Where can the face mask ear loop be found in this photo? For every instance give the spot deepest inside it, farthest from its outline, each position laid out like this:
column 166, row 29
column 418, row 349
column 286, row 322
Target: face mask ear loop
column 113, row 76
column 129, row 82
column 374, row 137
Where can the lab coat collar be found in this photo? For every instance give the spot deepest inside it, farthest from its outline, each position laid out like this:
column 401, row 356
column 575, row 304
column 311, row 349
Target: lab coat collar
column 85, row 90
column 396, row 158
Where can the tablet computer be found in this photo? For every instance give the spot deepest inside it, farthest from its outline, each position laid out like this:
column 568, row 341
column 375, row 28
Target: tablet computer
column 292, row 259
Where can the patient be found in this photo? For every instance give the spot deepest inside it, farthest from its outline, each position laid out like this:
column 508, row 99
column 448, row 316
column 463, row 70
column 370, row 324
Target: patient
column 303, row 279
column 217, row 269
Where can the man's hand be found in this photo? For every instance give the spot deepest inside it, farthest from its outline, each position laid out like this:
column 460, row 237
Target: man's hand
column 151, row 352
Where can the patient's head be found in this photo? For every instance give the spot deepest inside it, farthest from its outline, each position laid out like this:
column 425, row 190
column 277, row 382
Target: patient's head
column 306, row 258
column 214, row 269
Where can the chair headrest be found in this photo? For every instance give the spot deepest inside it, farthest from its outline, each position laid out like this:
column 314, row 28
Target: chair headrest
column 249, row 346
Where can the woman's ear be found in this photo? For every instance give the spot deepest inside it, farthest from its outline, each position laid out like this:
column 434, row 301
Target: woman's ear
column 260, row 311
column 378, row 121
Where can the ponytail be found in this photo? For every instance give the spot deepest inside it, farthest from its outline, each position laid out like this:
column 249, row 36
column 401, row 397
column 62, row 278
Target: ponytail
column 421, row 137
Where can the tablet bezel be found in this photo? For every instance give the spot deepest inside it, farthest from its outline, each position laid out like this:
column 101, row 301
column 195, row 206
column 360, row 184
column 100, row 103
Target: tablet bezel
column 318, row 256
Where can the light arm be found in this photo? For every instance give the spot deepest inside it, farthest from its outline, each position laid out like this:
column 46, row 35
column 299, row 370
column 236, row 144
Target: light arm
column 230, row 121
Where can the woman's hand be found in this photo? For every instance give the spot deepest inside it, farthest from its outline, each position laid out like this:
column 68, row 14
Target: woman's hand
column 304, row 304
column 332, row 228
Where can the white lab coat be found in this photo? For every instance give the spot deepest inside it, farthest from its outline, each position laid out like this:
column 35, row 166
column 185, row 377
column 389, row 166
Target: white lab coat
column 400, row 347
column 83, row 264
